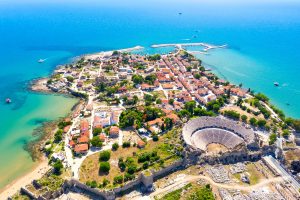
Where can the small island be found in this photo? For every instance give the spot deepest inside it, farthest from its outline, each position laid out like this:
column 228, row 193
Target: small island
column 165, row 127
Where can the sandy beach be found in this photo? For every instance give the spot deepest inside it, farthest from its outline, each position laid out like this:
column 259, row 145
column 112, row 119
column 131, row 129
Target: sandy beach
column 38, row 171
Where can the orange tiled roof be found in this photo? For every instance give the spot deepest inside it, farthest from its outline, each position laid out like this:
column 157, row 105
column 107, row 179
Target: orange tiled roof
column 81, row 148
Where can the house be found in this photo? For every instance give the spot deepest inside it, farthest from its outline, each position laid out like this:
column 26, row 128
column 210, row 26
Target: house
column 84, row 125
column 238, row 92
column 81, row 148
column 157, row 121
column 102, row 137
column 147, row 87
column 167, row 86
column 203, row 92
column 211, row 97
column 174, row 117
column 83, row 139
column 114, row 131
column 72, row 143
column 67, row 128
column 141, row 144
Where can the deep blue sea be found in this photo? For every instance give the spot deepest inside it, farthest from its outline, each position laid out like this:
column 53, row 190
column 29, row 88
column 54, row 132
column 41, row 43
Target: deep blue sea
column 263, row 39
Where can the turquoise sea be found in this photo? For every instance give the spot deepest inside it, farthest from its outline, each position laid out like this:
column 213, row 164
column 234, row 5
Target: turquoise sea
column 262, row 37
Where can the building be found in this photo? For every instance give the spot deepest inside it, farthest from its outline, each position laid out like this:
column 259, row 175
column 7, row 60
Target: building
column 81, row 148
column 114, row 131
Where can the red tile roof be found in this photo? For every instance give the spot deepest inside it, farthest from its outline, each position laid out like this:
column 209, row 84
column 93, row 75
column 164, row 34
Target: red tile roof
column 81, row 148
column 83, row 139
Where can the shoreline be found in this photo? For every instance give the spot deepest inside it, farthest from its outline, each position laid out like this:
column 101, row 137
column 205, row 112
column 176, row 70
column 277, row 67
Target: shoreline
column 38, row 170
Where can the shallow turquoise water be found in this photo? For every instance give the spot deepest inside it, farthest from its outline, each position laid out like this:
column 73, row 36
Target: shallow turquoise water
column 262, row 38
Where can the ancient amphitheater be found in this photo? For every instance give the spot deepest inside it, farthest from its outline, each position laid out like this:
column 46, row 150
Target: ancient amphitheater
column 203, row 131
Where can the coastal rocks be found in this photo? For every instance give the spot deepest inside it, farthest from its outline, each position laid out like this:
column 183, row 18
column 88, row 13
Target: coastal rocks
column 40, row 85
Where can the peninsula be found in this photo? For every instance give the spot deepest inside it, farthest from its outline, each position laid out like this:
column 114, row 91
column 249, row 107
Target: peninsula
column 162, row 127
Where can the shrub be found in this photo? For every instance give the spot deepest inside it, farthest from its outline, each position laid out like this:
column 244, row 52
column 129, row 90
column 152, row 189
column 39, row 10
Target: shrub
column 272, row 138
column 145, row 165
column 232, row 114
column 126, row 144
column 122, row 165
column 128, row 177
column 118, row 179
column 261, row 123
column 105, row 182
column 104, row 155
column 104, row 167
column 244, row 118
column 97, row 131
column 131, row 169
column 285, row 133
column 115, row 146
column 155, row 138
column 93, row 184
column 58, row 166
column 144, row 157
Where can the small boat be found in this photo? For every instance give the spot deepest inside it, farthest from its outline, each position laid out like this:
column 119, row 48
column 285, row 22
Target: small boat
column 8, row 100
column 180, row 13
column 276, row 84
column 288, row 104
column 41, row 60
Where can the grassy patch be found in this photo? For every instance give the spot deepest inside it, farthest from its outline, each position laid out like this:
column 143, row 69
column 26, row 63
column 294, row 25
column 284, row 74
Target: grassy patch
column 89, row 170
column 52, row 182
column 176, row 194
column 20, row 197
column 255, row 176
column 159, row 94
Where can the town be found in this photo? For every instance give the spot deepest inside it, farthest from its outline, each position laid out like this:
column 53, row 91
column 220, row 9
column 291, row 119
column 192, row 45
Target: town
column 164, row 127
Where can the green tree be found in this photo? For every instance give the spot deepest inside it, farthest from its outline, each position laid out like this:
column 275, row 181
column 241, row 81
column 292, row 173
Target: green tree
column 104, row 167
column 70, row 79
column 118, row 179
column 261, row 97
column 97, row 131
column 154, row 57
column 261, row 123
column 190, row 106
column 171, row 101
column 104, row 155
column 253, row 121
column 96, row 142
column 286, row 133
column 57, row 167
column 232, row 114
column 58, row 136
column 150, row 79
column 115, row 146
column 137, row 79
column 155, row 137
column 272, row 138
column 244, row 118
column 197, row 76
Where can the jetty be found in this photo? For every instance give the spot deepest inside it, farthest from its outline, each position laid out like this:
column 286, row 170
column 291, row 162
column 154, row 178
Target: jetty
column 182, row 45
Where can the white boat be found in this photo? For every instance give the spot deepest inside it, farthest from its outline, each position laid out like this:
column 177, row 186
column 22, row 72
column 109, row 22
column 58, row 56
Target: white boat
column 41, row 60
column 8, row 100
column 276, row 84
